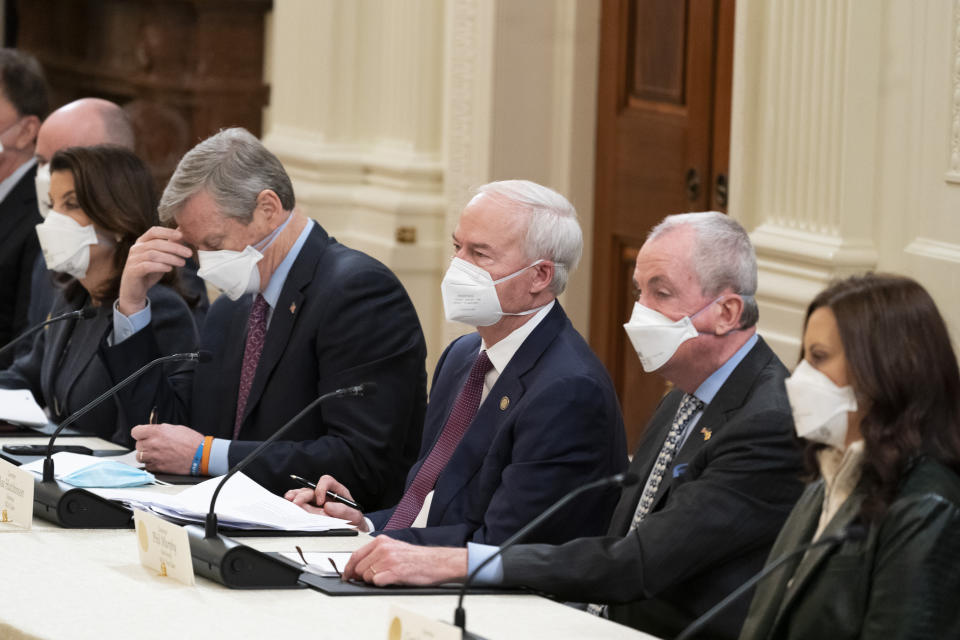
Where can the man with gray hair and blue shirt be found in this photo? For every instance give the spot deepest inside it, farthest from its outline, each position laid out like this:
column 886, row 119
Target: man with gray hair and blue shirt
column 301, row 315
column 718, row 466
column 521, row 412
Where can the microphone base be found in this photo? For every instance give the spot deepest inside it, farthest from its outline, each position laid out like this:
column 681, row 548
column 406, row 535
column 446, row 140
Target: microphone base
column 238, row 566
column 471, row 636
column 75, row 508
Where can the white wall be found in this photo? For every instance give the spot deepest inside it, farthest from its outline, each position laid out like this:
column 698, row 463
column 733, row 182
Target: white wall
column 845, row 150
column 387, row 114
column 846, row 128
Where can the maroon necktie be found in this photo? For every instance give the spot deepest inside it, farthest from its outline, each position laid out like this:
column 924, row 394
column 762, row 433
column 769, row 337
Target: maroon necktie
column 464, row 409
column 256, row 333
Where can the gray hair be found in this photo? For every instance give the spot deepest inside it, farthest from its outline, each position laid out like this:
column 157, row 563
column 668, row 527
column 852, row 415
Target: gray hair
column 234, row 168
column 723, row 257
column 553, row 232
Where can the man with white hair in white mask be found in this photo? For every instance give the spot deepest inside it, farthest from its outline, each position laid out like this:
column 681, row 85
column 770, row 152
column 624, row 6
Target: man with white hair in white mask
column 521, row 412
column 718, row 465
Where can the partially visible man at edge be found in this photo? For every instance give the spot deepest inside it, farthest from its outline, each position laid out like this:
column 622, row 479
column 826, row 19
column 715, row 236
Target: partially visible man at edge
column 719, row 466
column 23, row 105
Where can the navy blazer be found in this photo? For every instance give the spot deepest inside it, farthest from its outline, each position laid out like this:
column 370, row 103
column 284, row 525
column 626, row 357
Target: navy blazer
column 713, row 521
column 65, row 368
column 19, row 248
column 550, row 424
column 342, row 319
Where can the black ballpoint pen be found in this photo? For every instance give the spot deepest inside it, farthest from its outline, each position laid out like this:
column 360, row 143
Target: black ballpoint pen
column 330, row 494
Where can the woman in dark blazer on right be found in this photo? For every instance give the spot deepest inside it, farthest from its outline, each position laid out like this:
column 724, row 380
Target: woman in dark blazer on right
column 877, row 396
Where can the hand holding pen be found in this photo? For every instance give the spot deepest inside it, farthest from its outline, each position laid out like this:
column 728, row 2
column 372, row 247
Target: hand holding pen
column 328, row 497
column 303, row 482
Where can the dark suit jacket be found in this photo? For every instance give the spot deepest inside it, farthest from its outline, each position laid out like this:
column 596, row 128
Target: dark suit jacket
column 901, row 581
column 342, row 319
column 65, row 368
column 19, row 248
column 550, row 424
column 713, row 520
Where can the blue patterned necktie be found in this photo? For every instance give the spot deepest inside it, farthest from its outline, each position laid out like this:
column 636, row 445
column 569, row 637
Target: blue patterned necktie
column 689, row 406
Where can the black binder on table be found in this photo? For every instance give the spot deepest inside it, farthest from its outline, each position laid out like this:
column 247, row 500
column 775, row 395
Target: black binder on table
column 11, row 430
column 334, row 586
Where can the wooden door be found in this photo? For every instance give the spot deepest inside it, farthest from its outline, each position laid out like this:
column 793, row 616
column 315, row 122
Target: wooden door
column 663, row 126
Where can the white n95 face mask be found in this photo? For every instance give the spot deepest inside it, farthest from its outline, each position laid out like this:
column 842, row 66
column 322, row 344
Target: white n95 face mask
column 819, row 406
column 655, row 337
column 42, row 184
column 470, row 294
column 65, row 244
column 235, row 273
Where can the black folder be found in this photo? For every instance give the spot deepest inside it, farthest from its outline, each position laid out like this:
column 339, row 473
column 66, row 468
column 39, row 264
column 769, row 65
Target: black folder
column 336, row 587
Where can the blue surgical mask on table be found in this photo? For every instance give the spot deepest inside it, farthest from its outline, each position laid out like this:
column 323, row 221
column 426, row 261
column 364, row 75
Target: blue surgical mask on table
column 109, row 474
column 819, row 406
column 655, row 337
column 470, row 294
column 235, row 273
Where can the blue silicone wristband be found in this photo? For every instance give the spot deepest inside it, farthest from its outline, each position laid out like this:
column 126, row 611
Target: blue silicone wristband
column 195, row 465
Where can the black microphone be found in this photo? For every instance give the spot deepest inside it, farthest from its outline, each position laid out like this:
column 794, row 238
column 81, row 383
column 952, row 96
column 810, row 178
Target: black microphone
column 80, row 314
column 618, row 480
column 236, row 565
column 852, row 532
column 72, row 507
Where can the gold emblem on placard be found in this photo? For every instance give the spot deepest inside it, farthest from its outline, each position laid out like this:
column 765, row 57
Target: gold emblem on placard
column 142, row 536
column 396, row 629
column 163, row 569
column 504, row 403
column 5, row 518
column 707, row 434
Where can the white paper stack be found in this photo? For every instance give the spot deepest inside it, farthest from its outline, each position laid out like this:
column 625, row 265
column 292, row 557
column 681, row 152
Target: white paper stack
column 19, row 407
column 242, row 504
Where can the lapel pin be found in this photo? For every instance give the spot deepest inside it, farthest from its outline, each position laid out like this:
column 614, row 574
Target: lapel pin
column 707, row 433
column 504, row 403
column 293, row 307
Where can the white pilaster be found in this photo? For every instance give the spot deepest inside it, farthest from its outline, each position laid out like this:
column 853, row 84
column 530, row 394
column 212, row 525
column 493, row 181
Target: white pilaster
column 388, row 113
column 804, row 148
column 355, row 117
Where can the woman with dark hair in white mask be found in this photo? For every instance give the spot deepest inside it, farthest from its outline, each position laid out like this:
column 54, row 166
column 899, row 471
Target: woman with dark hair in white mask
column 877, row 397
column 101, row 200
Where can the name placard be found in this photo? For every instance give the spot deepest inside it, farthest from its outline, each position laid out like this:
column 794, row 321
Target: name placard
column 407, row 625
column 164, row 547
column 16, row 498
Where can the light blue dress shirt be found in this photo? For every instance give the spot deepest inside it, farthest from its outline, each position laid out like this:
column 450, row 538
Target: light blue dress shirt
column 493, row 573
